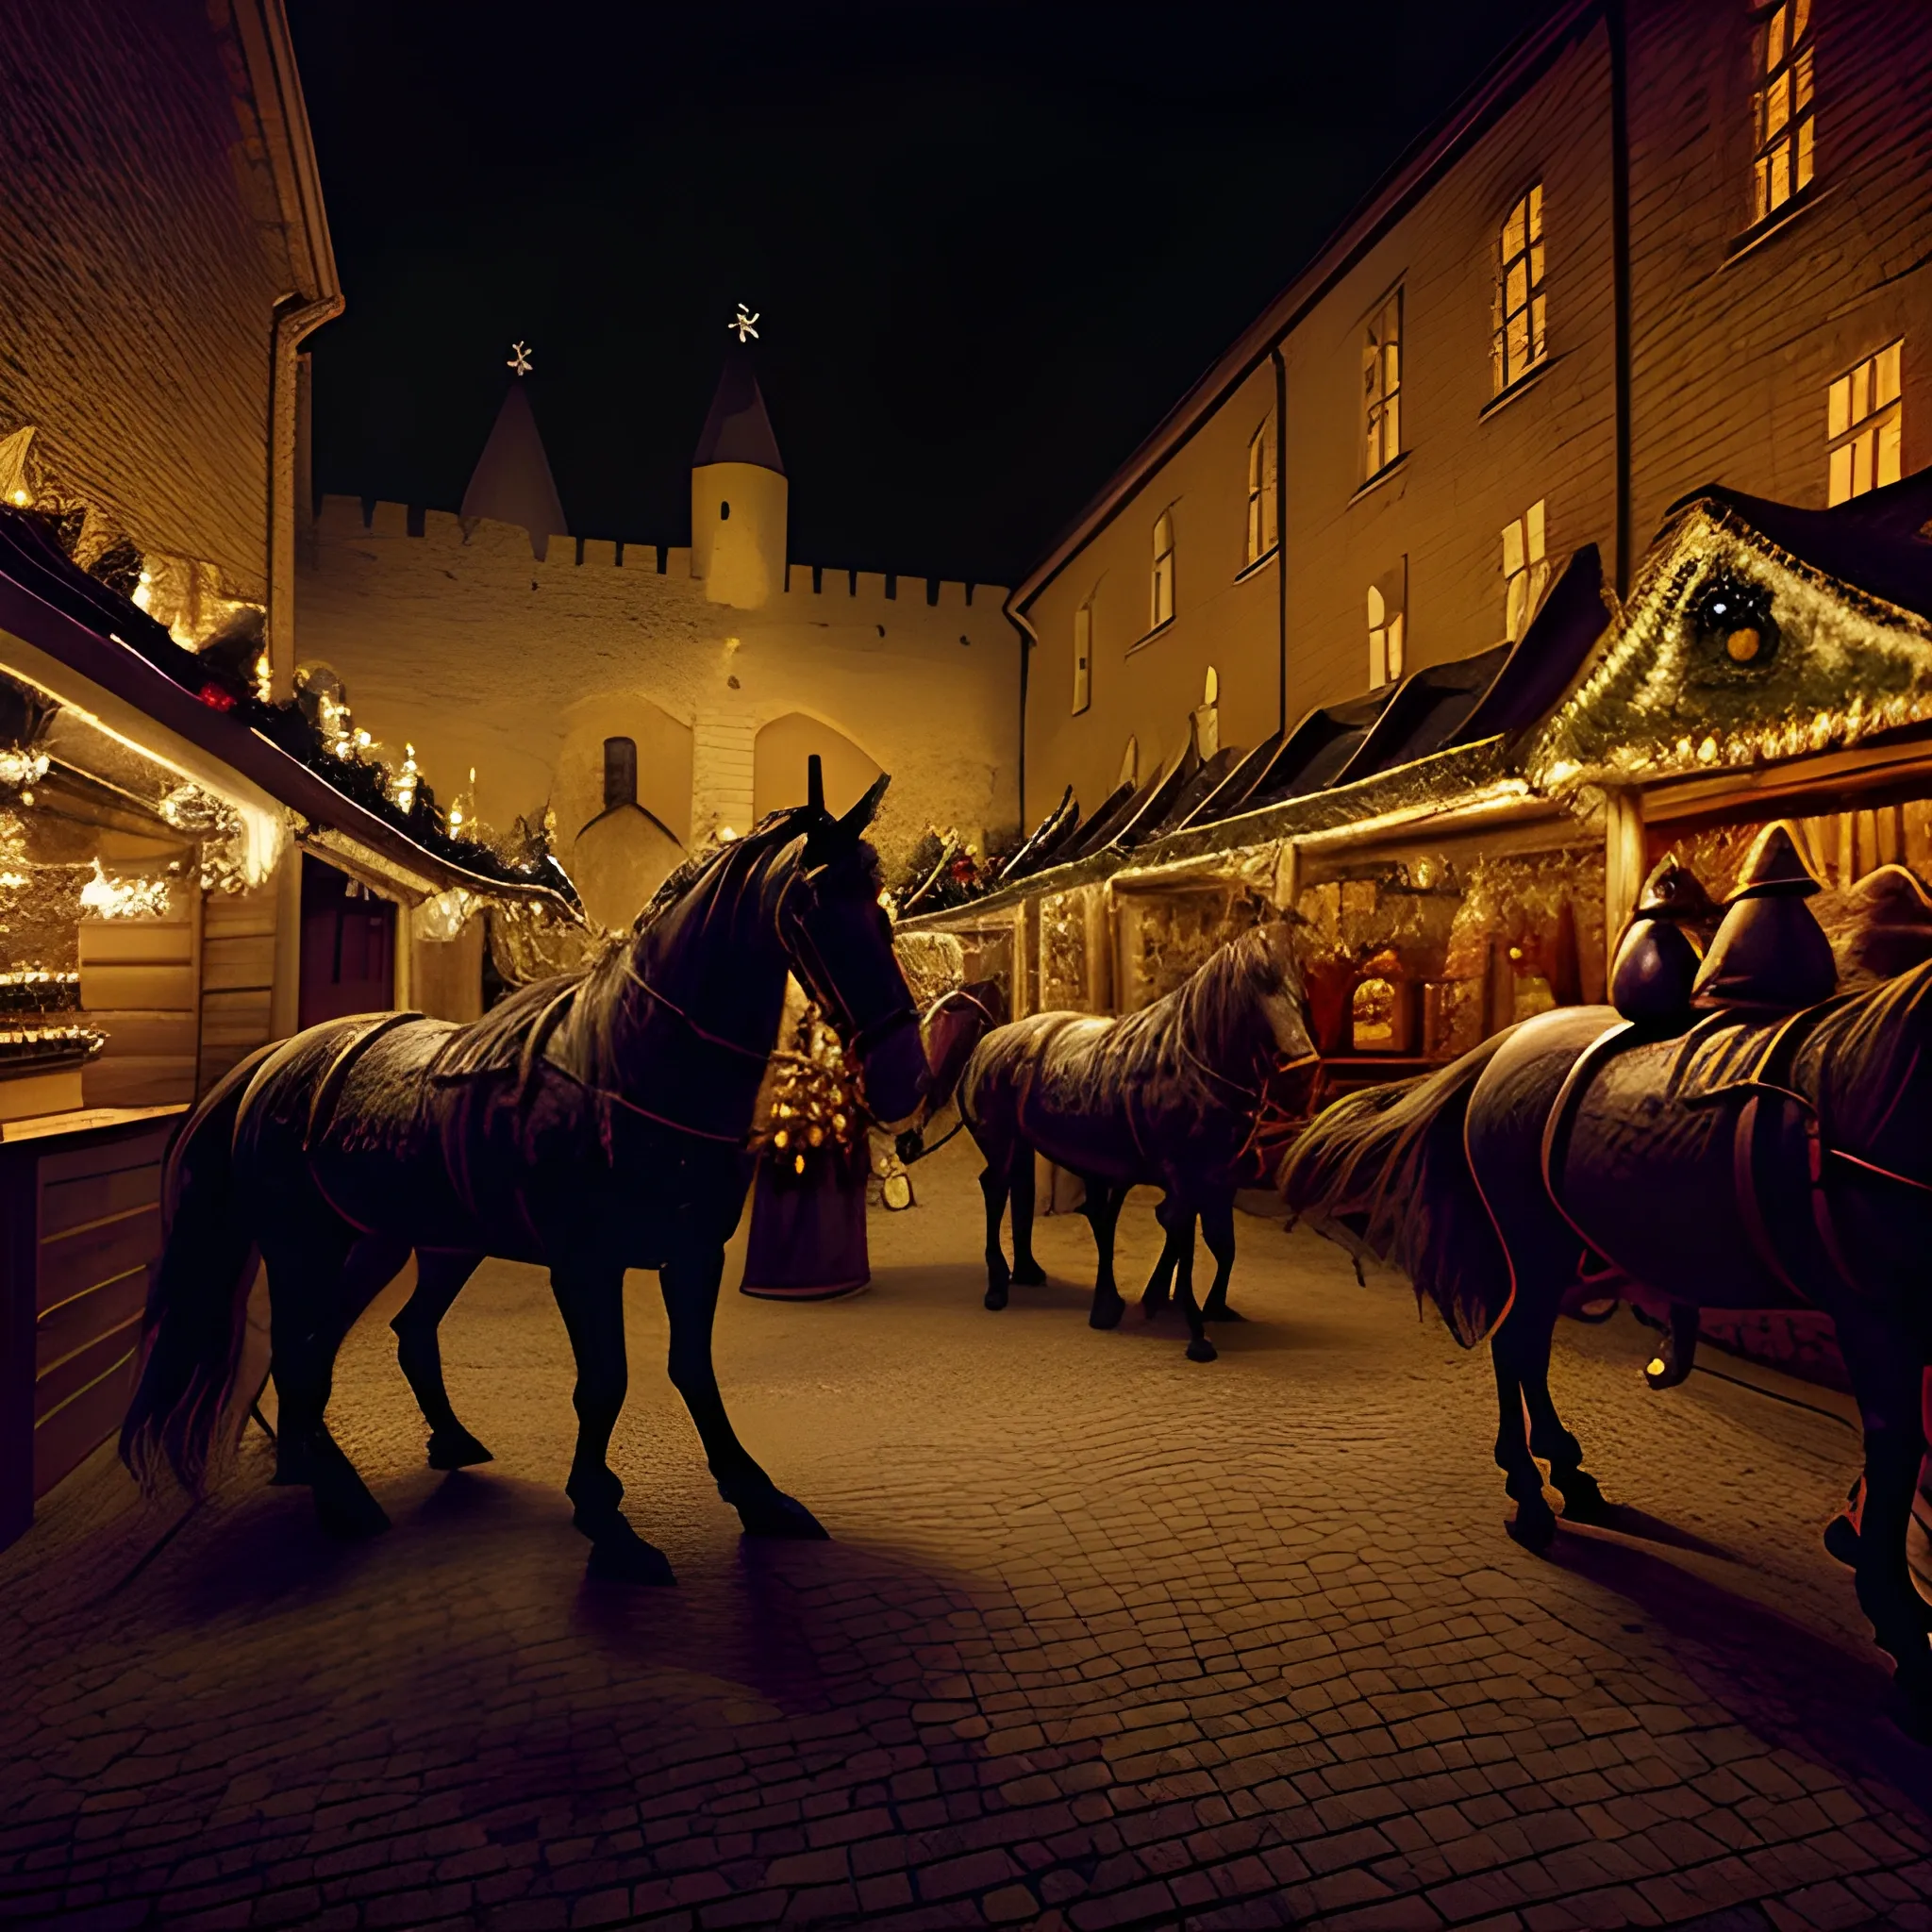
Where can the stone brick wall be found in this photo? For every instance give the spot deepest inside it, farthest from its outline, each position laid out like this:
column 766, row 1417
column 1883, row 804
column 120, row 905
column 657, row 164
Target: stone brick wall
column 141, row 259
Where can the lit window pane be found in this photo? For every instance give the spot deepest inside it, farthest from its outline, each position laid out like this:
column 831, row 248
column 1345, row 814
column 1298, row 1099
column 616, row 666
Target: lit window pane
column 1498, row 379
column 1373, row 453
column 1536, row 212
column 1512, row 548
column 1804, row 152
column 1391, row 430
column 1515, row 605
column 1887, row 388
column 1861, row 392
column 1536, row 266
column 1535, row 530
column 1774, row 40
column 1761, row 204
column 1536, row 333
column 1840, row 475
column 1378, row 659
column 1391, row 368
column 1802, row 73
column 1395, row 645
column 1519, row 342
column 1512, row 234
column 1861, row 463
column 1801, row 19
column 1889, row 449
column 1377, row 608
column 1838, row 408
column 1516, row 288
column 1781, row 175
column 1777, row 104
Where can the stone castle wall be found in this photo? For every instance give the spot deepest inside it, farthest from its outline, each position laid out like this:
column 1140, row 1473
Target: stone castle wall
column 452, row 636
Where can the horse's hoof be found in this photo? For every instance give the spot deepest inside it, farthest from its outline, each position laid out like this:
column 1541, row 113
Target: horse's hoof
column 1203, row 1351
column 1661, row 1372
column 456, row 1449
column 777, row 1514
column 1583, row 1502
column 350, row 1516
column 1030, row 1275
column 995, row 1297
column 619, row 1555
column 1108, row 1315
column 1535, row 1529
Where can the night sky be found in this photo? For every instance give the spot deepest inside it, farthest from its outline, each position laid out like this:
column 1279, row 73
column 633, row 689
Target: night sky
column 992, row 244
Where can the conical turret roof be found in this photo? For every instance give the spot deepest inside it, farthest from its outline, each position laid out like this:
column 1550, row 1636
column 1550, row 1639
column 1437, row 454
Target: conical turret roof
column 738, row 430
column 512, row 481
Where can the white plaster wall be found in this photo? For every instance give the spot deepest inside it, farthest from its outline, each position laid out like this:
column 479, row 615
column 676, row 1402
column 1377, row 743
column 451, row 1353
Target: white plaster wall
column 459, row 642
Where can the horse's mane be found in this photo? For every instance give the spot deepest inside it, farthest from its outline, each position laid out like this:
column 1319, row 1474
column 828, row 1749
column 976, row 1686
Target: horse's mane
column 499, row 1039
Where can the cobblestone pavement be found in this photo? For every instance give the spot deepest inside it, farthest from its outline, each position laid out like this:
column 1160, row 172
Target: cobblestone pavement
column 1106, row 1639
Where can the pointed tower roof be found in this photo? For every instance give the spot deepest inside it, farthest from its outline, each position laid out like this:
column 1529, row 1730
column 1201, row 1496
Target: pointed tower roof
column 512, row 481
column 738, row 430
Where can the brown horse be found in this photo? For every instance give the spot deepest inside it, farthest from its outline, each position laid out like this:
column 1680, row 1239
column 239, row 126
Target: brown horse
column 1166, row 1098
column 1738, row 1162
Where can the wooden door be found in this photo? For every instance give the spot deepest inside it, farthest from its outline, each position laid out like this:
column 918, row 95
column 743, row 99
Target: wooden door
column 348, row 946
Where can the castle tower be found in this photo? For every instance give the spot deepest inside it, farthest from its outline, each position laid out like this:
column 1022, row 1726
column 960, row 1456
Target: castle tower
column 511, row 481
column 739, row 494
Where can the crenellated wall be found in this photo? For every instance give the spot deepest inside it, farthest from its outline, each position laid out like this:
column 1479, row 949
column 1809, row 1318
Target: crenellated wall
column 452, row 636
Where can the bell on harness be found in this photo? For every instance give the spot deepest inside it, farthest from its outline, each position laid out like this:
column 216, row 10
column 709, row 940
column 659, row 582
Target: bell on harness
column 1656, row 963
column 1769, row 954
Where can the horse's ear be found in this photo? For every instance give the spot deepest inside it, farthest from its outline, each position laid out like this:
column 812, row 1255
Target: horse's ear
column 854, row 821
column 814, row 786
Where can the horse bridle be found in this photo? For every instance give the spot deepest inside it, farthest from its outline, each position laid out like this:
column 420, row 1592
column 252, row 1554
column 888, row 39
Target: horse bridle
column 858, row 1034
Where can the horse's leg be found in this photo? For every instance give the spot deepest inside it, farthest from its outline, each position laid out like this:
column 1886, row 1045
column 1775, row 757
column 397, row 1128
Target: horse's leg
column 439, row 1278
column 319, row 1279
column 590, row 1296
column 1677, row 1354
column 1583, row 1502
column 1517, row 1339
column 1026, row 1271
column 691, row 1301
column 1103, row 1211
column 1177, row 1229
column 1199, row 1348
column 993, row 1186
column 1217, row 1230
column 1887, row 1368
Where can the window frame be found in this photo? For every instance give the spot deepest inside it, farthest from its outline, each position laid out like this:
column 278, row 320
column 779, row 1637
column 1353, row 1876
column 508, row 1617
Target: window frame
column 1264, row 482
column 1388, row 630
column 615, row 767
column 1507, row 369
column 1083, row 656
column 1380, row 428
column 1530, row 570
column 1878, row 380
column 1783, row 82
column 1161, row 582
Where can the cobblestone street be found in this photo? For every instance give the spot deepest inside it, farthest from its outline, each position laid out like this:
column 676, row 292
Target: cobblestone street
column 1104, row 1639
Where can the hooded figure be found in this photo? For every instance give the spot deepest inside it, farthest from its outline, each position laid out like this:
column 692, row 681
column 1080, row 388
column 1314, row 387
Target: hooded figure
column 1770, row 954
column 1656, row 963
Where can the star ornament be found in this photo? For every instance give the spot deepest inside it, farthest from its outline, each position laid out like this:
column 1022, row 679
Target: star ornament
column 519, row 359
column 745, row 322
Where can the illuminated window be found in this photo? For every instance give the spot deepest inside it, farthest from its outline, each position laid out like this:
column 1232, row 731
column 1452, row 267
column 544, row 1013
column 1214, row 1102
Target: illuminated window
column 1781, row 108
column 1261, row 492
column 1163, row 570
column 1518, row 342
column 1385, row 625
column 1083, row 656
column 620, row 771
column 1862, row 422
column 1382, row 388
column 1526, row 569
column 1373, row 1013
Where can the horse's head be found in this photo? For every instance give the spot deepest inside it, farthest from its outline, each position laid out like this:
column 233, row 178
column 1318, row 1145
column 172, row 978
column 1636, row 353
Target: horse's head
column 839, row 942
column 1279, row 980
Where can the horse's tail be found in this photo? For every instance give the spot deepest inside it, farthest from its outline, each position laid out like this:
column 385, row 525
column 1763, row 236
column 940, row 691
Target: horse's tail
column 1385, row 1172
column 197, row 1298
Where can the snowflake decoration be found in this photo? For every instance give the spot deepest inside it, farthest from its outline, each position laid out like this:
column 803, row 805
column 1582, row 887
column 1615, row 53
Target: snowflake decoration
column 519, row 359
column 744, row 323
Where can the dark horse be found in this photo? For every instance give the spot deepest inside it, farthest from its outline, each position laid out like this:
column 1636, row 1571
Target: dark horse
column 1743, row 1163
column 1166, row 1098
column 591, row 1123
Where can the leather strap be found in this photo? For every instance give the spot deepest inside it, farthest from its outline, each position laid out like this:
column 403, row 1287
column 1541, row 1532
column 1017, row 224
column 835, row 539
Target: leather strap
column 328, row 1088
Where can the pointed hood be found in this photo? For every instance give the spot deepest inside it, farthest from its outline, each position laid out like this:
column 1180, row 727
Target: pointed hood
column 1775, row 865
column 512, row 481
column 738, row 430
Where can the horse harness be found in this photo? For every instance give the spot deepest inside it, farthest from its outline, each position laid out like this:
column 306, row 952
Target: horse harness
column 1768, row 1081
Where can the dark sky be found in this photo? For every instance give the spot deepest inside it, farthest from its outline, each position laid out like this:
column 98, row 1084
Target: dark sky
column 991, row 242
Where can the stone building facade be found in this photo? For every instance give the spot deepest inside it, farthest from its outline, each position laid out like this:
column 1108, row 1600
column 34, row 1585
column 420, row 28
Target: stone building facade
column 1566, row 309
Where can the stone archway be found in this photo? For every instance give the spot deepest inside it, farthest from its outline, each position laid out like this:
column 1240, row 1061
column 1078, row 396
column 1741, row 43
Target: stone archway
column 778, row 764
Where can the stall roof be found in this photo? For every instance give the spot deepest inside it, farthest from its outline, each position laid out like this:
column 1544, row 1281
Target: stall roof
column 57, row 608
